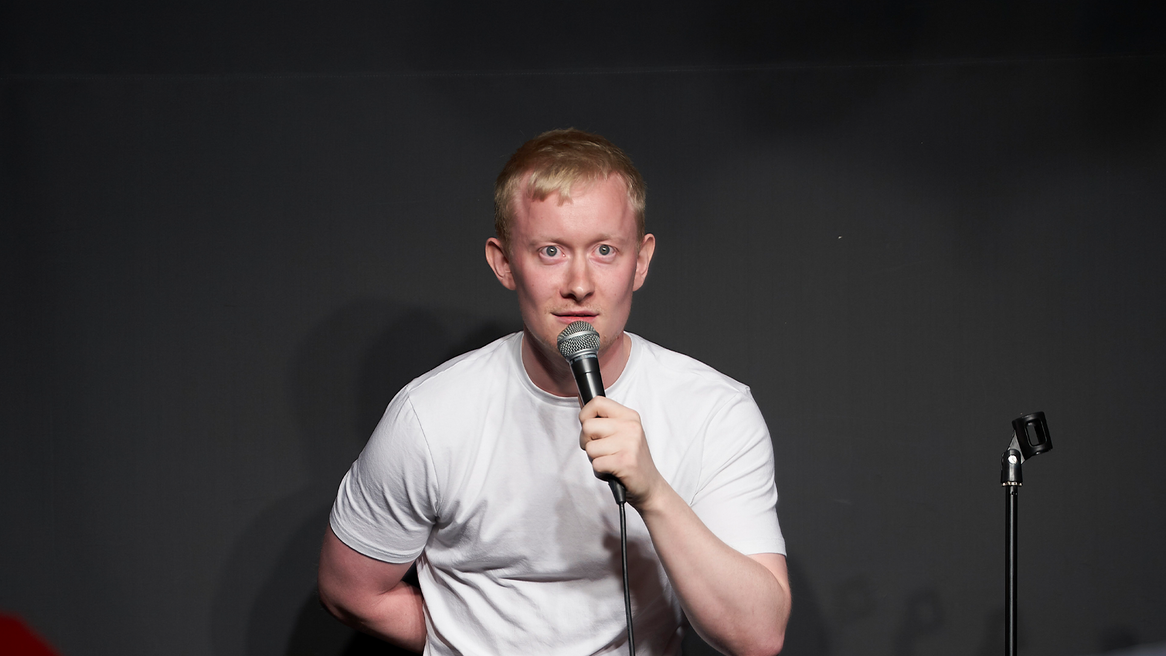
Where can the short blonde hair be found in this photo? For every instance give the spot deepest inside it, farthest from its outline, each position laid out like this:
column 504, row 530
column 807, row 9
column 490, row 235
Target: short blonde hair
column 556, row 161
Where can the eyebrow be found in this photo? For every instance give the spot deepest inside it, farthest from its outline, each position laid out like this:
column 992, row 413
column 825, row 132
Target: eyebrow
column 605, row 237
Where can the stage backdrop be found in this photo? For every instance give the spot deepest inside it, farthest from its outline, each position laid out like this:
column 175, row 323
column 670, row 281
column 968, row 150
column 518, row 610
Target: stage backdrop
column 230, row 234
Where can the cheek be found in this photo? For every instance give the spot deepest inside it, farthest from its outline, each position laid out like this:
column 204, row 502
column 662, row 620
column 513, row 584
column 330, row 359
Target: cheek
column 621, row 282
column 535, row 288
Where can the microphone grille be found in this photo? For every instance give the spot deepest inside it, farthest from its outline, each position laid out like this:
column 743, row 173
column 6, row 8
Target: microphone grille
column 576, row 338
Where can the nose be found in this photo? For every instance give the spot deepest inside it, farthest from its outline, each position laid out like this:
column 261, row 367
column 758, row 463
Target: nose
column 580, row 283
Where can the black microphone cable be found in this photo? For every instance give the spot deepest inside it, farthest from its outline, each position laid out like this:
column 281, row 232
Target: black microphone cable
column 627, row 588
column 579, row 344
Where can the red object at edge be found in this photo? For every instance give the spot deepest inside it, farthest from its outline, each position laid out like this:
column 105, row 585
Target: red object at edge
column 16, row 639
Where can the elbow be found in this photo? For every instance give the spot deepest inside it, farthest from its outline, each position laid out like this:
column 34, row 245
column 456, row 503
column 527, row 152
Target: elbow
column 333, row 599
column 775, row 641
column 770, row 646
column 331, row 603
column 327, row 602
column 345, row 613
column 775, row 645
column 767, row 644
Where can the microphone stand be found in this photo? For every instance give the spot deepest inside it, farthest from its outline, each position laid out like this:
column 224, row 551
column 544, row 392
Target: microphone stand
column 1036, row 441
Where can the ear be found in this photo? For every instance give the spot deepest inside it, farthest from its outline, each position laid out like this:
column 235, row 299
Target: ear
column 643, row 259
column 498, row 260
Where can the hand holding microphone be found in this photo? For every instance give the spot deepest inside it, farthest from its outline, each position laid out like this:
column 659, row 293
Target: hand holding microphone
column 579, row 344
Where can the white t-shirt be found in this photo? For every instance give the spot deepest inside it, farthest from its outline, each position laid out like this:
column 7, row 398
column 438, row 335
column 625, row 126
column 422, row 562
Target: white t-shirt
column 477, row 473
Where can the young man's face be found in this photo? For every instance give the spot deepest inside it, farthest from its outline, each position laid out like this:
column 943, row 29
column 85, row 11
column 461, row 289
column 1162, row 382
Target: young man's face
column 580, row 260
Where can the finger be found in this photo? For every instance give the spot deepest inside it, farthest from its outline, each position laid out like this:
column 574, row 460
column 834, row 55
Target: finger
column 601, row 406
column 590, row 410
column 597, row 428
column 601, row 427
column 606, row 463
column 604, row 468
column 601, row 448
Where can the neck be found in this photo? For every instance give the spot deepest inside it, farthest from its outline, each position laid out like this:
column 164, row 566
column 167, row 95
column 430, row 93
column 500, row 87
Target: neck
column 551, row 373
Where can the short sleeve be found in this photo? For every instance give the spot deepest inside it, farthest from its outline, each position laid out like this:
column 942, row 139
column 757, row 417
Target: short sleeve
column 737, row 496
column 387, row 502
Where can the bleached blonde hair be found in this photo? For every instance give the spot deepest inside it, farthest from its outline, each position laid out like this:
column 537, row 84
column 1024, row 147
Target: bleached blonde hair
column 556, row 161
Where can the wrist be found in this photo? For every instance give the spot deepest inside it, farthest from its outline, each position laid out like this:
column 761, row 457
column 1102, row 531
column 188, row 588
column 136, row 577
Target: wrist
column 659, row 500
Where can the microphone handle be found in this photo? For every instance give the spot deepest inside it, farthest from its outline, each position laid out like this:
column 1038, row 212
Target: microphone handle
column 590, row 382
column 588, row 377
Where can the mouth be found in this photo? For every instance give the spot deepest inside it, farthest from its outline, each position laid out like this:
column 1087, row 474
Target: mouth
column 575, row 315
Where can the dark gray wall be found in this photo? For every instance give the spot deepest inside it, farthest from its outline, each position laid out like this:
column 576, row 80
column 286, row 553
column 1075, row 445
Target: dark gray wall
column 230, row 234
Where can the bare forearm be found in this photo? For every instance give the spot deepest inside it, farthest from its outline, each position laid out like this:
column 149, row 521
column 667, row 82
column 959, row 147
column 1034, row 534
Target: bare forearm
column 736, row 603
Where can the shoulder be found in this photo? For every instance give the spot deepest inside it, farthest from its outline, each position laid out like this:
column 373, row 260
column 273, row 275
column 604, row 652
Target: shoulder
column 468, row 379
column 455, row 389
column 473, row 368
column 665, row 367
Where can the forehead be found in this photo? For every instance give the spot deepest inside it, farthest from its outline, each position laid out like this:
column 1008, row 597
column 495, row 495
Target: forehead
column 599, row 209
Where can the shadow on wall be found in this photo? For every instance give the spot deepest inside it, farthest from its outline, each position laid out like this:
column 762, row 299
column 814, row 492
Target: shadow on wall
column 922, row 616
column 992, row 641
column 807, row 634
column 1117, row 638
column 342, row 379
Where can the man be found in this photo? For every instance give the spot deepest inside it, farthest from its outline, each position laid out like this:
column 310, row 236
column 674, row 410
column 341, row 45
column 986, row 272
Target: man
column 475, row 472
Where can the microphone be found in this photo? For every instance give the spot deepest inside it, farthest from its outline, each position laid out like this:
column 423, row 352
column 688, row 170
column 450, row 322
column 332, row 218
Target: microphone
column 579, row 344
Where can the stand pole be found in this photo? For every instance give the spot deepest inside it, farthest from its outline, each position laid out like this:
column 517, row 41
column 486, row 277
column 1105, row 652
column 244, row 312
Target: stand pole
column 1012, row 497
column 1011, row 479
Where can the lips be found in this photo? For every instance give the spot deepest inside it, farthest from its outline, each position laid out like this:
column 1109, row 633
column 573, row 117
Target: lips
column 565, row 318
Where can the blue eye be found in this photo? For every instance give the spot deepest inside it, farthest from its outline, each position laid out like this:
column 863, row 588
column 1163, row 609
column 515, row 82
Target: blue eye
column 551, row 251
column 604, row 249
